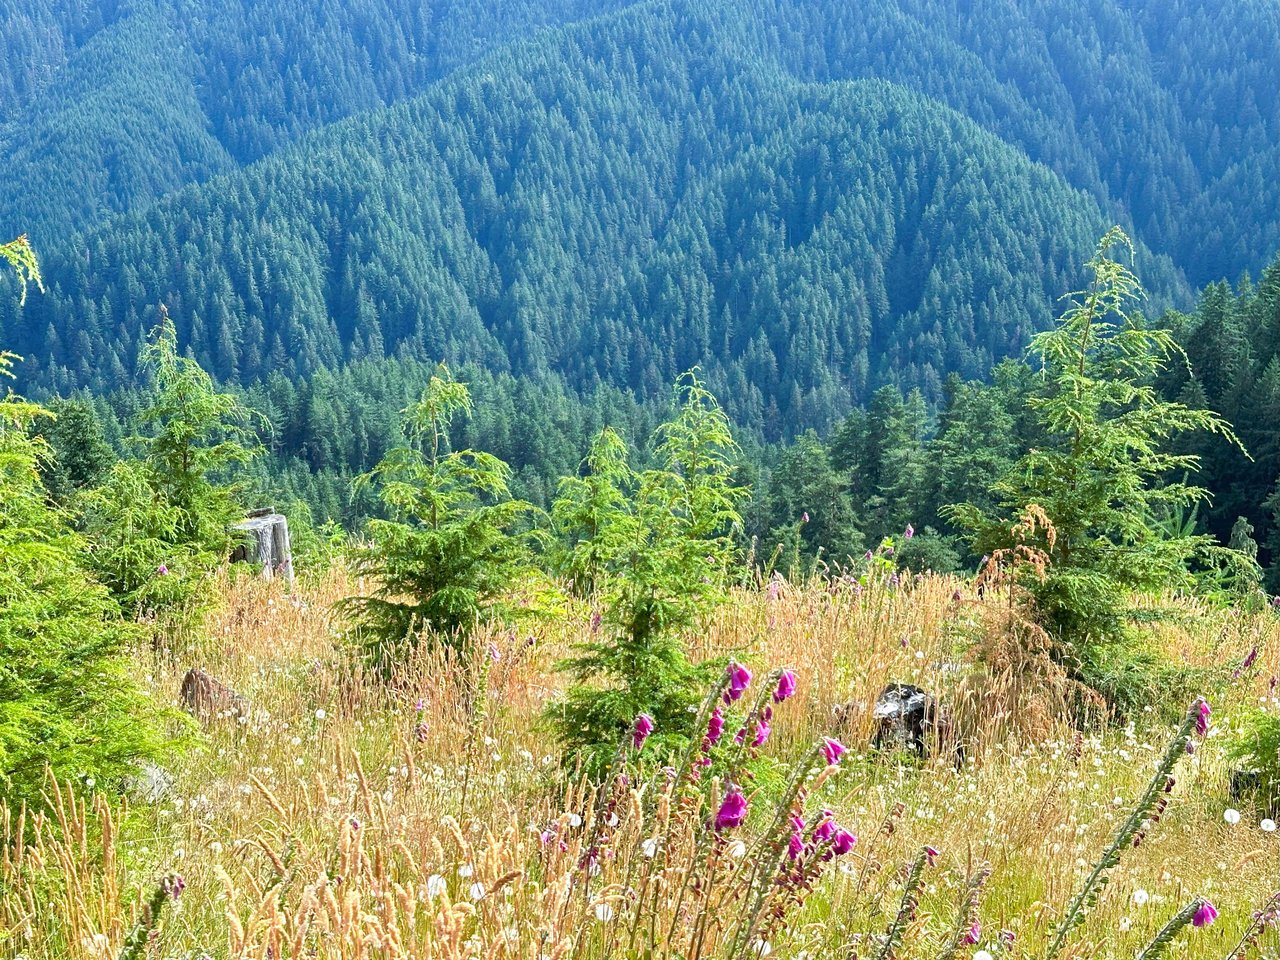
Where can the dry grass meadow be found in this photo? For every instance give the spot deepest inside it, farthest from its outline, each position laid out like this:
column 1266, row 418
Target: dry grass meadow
column 345, row 818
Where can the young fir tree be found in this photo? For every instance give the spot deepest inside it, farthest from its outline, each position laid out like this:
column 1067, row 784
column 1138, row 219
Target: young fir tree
column 451, row 553
column 1099, row 483
column 68, row 699
column 159, row 526
column 656, row 545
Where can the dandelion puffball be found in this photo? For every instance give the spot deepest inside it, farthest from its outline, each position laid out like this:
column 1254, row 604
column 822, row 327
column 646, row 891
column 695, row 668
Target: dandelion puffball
column 1268, row 825
column 1140, row 897
column 1231, row 816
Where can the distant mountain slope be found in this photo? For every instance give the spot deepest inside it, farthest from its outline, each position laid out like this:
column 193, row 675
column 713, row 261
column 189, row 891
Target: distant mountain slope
column 1166, row 111
column 614, row 202
column 127, row 100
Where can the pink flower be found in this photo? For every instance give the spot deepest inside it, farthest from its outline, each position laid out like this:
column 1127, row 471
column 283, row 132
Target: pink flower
column 1202, row 716
column 762, row 733
column 739, row 679
column 641, row 729
column 733, row 810
column 832, row 750
column 494, row 653
column 1205, row 914
column 974, row 933
column 715, row 727
column 867, row 555
column 804, row 518
column 909, row 532
column 843, row 842
column 931, row 855
column 826, row 829
column 786, row 686
column 162, row 570
column 795, row 846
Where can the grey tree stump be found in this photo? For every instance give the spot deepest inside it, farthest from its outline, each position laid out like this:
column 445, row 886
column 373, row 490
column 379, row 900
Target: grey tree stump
column 267, row 543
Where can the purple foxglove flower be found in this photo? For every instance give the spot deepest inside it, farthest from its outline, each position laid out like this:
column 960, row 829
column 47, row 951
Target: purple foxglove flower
column 843, row 842
column 931, row 855
column 909, row 532
column 832, row 750
column 774, row 589
column 973, row 934
column 739, row 679
column 173, row 885
column 162, row 570
column 740, row 736
column 641, row 729
column 867, row 555
column 595, row 622
column 733, row 810
column 825, row 829
column 494, row 653
column 762, row 733
column 1204, row 915
column 1248, row 662
column 715, row 727
column 795, row 846
column 786, row 686
column 805, row 517
column 1202, row 716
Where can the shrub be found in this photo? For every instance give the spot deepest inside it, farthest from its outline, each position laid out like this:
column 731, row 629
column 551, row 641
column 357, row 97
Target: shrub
column 1255, row 750
column 158, row 527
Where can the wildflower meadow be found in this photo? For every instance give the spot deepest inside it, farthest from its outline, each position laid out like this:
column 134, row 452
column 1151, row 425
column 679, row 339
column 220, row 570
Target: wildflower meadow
column 347, row 815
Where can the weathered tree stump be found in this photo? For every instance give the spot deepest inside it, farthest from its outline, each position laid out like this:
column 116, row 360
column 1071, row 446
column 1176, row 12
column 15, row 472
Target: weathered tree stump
column 208, row 699
column 266, row 543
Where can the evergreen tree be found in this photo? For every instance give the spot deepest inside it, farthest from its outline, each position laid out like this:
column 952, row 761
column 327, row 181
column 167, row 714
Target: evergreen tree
column 1078, row 517
column 659, row 543
column 454, row 550
column 68, row 698
column 80, row 454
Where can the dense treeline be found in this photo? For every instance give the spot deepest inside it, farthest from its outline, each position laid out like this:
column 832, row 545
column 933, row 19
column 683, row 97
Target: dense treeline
column 898, row 463
column 894, row 463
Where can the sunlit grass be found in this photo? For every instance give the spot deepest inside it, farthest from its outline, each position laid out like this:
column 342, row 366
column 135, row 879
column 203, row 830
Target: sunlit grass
column 331, row 822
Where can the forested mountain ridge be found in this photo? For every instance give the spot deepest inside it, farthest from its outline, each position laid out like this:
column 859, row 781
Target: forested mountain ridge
column 1166, row 111
column 123, row 101
column 615, row 202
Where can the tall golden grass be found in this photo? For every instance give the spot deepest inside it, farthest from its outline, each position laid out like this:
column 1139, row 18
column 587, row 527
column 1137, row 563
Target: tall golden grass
column 432, row 817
